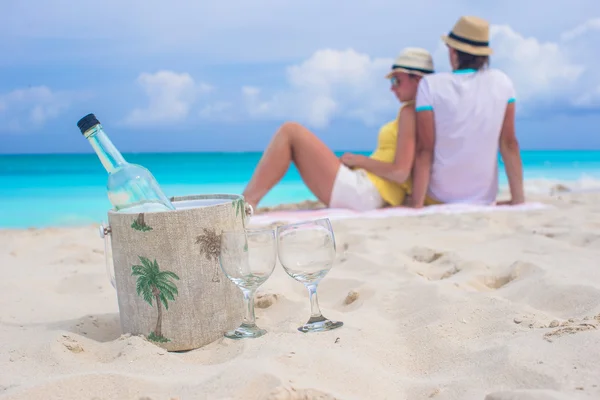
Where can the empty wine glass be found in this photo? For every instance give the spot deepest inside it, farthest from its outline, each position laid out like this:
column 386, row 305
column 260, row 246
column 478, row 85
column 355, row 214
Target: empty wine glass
column 306, row 252
column 248, row 258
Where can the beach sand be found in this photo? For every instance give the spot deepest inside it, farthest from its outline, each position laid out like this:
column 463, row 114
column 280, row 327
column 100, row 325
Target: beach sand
column 495, row 306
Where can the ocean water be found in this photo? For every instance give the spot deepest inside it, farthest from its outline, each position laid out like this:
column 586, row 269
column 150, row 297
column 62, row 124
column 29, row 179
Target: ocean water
column 61, row 190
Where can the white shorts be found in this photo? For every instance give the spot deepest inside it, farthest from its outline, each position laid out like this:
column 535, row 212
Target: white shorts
column 354, row 190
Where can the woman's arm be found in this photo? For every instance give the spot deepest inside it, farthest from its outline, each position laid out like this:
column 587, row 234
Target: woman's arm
column 511, row 155
column 399, row 170
column 424, row 156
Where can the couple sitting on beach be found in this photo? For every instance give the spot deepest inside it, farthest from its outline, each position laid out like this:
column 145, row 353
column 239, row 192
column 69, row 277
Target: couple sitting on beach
column 441, row 149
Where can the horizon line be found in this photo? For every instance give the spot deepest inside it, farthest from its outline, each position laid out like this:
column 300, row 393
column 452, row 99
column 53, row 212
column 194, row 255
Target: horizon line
column 250, row 152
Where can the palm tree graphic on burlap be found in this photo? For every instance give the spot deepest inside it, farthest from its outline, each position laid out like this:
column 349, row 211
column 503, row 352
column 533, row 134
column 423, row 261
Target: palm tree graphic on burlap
column 154, row 285
column 210, row 246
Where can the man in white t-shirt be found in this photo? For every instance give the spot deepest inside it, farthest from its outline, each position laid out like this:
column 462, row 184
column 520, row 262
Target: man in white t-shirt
column 463, row 118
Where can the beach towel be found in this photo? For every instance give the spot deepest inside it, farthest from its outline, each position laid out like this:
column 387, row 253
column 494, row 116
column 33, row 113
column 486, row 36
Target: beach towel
column 290, row 216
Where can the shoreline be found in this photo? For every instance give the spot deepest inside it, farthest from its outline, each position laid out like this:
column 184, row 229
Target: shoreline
column 87, row 211
column 555, row 190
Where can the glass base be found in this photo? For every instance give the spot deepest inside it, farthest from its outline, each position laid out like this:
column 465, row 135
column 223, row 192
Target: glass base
column 320, row 324
column 245, row 331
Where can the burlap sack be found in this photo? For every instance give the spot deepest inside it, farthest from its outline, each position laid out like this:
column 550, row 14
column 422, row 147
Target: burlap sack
column 169, row 284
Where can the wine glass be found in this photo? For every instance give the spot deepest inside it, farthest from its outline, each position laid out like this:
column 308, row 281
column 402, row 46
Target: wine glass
column 307, row 251
column 248, row 258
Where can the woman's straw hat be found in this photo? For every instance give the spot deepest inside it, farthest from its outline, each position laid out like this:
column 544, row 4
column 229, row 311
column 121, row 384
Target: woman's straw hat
column 470, row 35
column 413, row 60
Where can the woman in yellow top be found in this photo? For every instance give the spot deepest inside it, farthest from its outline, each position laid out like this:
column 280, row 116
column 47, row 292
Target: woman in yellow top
column 353, row 181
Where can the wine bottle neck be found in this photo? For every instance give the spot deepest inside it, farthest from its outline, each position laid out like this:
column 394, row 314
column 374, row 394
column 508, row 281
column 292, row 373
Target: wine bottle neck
column 108, row 154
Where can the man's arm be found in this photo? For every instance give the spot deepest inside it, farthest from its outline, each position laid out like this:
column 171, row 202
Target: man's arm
column 511, row 155
column 424, row 156
column 398, row 170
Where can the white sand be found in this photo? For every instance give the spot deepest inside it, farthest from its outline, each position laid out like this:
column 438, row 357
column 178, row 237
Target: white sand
column 492, row 306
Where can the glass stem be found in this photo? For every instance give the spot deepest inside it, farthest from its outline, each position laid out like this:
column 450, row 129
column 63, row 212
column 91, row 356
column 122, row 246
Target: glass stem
column 315, row 311
column 249, row 318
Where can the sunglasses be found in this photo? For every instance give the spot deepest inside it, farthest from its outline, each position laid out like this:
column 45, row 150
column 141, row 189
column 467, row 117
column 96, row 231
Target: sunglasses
column 394, row 81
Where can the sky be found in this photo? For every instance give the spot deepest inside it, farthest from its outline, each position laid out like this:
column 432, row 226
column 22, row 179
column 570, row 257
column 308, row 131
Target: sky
column 188, row 75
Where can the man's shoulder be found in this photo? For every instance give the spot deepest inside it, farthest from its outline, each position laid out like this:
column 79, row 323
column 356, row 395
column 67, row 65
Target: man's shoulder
column 438, row 77
column 438, row 80
column 497, row 75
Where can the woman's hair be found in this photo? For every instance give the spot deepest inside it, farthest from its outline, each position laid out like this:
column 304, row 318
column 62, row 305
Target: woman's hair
column 470, row 61
column 417, row 76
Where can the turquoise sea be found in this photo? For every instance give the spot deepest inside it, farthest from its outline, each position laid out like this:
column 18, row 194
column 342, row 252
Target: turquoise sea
column 69, row 189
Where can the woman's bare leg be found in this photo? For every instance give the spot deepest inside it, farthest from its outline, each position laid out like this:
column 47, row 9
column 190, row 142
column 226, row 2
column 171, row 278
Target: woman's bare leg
column 317, row 164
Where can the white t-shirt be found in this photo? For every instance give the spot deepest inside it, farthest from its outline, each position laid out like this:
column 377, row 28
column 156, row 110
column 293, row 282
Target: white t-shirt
column 468, row 108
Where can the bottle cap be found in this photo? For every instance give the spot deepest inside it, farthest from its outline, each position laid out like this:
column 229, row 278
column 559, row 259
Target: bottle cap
column 87, row 122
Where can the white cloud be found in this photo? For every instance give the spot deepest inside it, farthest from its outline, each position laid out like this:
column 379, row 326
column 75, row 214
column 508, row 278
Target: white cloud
column 539, row 70
column 560, row 72
column 30, row 108
column 170, row 97
column 329, row 84
column 589, row 99
column 581, row 42
column 219, row 111
column 581, row 30
column 349, row 84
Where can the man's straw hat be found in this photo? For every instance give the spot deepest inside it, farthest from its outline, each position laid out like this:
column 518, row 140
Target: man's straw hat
column 470, row 35
column 413, row 60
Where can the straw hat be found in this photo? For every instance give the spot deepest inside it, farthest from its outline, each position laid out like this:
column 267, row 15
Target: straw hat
column 413, row 60
column 470, row 35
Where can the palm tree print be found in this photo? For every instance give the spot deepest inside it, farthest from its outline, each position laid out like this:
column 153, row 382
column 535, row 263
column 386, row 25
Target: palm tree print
column 240, row 208
column 210, row 246
column 154, row 285
column 139, row 224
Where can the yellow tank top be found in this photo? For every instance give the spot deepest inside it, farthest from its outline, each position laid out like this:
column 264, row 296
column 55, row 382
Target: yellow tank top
column 387, row 141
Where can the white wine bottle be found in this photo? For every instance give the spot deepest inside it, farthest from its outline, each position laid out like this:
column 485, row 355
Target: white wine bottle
column 131, row 187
